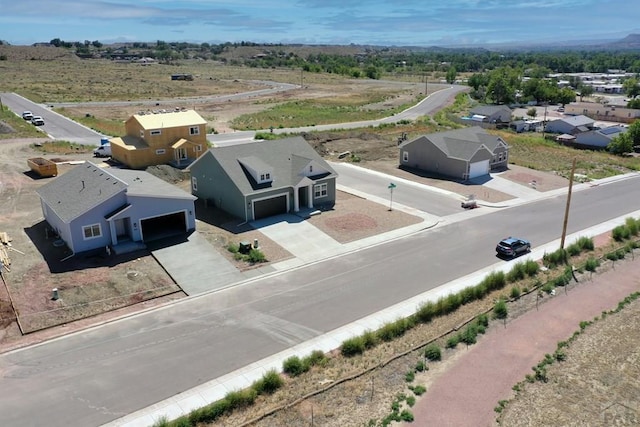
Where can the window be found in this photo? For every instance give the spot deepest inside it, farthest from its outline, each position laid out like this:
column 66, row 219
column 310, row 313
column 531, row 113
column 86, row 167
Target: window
column 310, row 168
column 261, row 177
column 320, row 190
column 194, row 183
column 155, row 132
column 405, row 156
column 141, row 133
column 194, row 130
column 267, row 176
column 91, row 231
column 160, row 151
column 198, row 148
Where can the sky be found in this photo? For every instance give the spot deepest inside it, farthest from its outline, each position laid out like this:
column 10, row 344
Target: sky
column 362, row 22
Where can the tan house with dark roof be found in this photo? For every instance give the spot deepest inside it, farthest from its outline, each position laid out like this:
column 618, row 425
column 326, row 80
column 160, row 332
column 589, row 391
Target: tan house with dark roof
column 177, row 138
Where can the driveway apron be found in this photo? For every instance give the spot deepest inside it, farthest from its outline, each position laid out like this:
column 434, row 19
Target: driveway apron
column 196, row 266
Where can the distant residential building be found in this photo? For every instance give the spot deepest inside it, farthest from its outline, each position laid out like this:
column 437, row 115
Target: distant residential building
column 571, row 125
column 597, row 111
column 599, row 138
column 176, row 138
column 491, row 113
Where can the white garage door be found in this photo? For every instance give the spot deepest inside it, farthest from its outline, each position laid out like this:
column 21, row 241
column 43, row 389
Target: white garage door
column 478, row 169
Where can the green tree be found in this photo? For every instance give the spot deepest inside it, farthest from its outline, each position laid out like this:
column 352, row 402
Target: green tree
column 451, row 75
column 502, row 86
column 532, row 112
column 621, row 144
column 566, row 95
column 585, row 90
column 631, row 87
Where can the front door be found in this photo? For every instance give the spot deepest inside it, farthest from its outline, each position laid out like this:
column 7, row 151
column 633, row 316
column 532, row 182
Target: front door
column 122, row 228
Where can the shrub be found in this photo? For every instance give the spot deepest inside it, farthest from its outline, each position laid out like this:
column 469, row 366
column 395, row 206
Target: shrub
column 370, row 339
column 452, row 342
column 483, row 320
column 620, row 233
column 515, row 292
column 621, row 253
column 406, row 415
column 480, row 290
column 241, row 398
column 352, row 347
column 531, row 267
column 561, row 280
column 517, row 272
column 586, row 243
column 573, row 249
column 390, row 331
column 419, row 390
column 293, row 366
column 612, row 256
column 426, row 312
column 316, row 358
column 470, row 334
column 632, row 226
column 592, row 264
column 467, row 295
column 269, row 383
column 233, row 248
column 433, row 353
column 409, row 376
column 495, row 281
column 500, row 310
column 421, row 366
column 555, row 258
column 256, row 256
column 411, row 400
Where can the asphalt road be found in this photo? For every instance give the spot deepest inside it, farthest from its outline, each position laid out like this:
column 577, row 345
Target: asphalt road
column 408, row 194
column 99, row 375
column 56, row 126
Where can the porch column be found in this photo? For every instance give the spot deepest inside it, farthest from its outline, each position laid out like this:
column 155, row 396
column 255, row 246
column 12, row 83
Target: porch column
column 310, row 196
column 296, row 200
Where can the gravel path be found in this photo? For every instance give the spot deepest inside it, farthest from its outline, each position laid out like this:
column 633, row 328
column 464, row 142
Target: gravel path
column 467, row 393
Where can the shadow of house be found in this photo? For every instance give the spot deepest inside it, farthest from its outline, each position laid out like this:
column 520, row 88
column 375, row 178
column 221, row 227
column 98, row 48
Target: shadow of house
column 59, row 257
column 461, row 154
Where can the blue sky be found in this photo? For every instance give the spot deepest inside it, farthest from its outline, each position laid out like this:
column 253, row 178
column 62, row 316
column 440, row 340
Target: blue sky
column 378, row 22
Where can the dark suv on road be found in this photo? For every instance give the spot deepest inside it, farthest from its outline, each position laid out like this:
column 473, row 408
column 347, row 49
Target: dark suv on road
column 512, row 247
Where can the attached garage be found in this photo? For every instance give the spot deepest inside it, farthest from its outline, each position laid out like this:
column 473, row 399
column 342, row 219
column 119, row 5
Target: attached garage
column 268, row 207
column 478, row 169
column 163, row 226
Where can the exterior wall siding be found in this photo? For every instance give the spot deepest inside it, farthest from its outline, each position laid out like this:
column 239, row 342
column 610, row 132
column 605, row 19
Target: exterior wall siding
column 95, row 216
column 216, row 188
column 149, row 207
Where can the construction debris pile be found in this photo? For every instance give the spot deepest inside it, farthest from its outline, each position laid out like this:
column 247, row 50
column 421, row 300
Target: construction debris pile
column 5, row 247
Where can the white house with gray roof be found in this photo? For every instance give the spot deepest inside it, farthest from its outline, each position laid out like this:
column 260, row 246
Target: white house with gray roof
column 463, row 154
column 91, row 207
column 261, row 179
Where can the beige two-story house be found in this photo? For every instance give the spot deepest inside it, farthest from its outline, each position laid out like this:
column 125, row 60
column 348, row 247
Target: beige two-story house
column 177, row 138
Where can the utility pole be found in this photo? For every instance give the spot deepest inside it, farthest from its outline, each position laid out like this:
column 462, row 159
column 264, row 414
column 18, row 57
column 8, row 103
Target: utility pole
column 426, row 84
column 301, row 79
column 566, row 210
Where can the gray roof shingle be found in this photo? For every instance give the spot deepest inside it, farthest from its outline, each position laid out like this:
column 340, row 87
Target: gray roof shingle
column 79, row 190
column 286, row 157
column 87, row 186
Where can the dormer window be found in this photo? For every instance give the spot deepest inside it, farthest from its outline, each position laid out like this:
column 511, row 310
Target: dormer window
column 311, row 168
